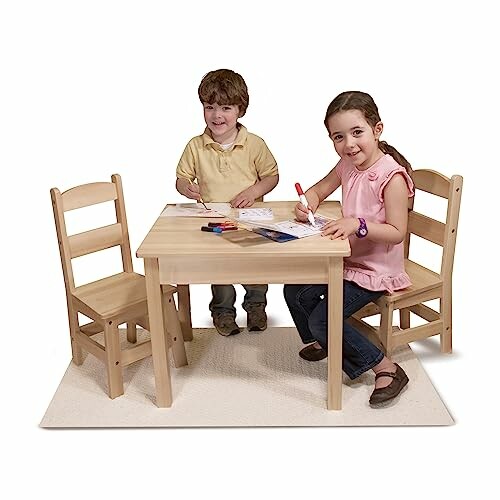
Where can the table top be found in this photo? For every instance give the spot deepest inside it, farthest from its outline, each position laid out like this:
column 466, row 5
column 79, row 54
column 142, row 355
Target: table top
column 181, row 236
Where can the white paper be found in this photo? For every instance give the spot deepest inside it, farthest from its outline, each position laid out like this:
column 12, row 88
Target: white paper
column 293, row 227
column 255, row 214
column 197, row 210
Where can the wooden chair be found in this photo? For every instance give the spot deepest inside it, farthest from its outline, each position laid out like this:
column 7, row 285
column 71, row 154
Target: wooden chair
column 426, row 284
column 114, row 300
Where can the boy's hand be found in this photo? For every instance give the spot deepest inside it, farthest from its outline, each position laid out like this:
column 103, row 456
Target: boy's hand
column 187, row 188
column 244, row 199
column 192, row 191
column 341, row 228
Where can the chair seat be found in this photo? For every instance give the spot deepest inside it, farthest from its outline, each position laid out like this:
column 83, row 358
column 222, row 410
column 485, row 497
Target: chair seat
column 422, row 280
column 115, row 295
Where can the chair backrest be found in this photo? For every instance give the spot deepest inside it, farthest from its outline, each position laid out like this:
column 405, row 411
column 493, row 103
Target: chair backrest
column 94, row 240
column 443, row 234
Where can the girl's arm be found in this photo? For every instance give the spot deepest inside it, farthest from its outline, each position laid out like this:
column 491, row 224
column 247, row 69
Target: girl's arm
column 393, row 231
column 317, row 193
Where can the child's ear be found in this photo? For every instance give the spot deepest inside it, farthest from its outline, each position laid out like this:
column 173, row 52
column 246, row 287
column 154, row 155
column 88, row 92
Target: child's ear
column 377, row 130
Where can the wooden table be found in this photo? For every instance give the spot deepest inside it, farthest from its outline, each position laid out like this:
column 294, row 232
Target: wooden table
column 176, row 251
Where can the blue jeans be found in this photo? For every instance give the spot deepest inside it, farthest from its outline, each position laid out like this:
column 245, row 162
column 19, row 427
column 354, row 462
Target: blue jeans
column 308, row 306
column 224, row 297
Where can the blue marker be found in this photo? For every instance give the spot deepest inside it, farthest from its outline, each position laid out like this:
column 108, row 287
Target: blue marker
column 212, row 229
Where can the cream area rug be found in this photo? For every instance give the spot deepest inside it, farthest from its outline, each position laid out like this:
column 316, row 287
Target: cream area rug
column 250, row 379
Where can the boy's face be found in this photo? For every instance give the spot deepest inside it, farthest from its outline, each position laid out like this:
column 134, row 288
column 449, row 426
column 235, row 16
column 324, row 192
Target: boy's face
column 221, row 120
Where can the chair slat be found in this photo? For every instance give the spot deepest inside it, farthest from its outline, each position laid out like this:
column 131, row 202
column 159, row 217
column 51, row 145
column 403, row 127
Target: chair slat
column 425, row 227
column 418, row 333
column 88, row 194
column 424, row 312
column 95, row 240
column 135, row 353
column 432, row 182
column 90, row 345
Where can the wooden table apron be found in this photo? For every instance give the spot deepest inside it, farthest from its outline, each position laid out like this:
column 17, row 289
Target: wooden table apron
column 176, row 251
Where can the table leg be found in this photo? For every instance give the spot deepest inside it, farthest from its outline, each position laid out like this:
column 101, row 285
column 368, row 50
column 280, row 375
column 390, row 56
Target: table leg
column 335, row 320
column 185, row 311
column 156, row 328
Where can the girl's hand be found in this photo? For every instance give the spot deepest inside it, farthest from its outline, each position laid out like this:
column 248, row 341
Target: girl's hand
column 341, row 228
column 244, row 199
column 301, row 212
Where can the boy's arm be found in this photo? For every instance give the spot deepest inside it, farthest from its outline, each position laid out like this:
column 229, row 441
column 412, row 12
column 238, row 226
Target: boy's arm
column 186, row 173
column 247, row 197
column 267, row 172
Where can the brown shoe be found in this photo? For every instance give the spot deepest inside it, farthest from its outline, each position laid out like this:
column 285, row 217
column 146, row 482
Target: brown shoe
column 226, row 325
column 310, row 353
column 256, row 318
column 399, row 380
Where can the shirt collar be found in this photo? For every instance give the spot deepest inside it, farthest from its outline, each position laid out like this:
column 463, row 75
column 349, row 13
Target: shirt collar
column 240, row 140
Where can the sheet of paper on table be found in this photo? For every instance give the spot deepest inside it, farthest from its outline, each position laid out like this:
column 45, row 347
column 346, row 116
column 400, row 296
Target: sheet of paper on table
column 293, row 227
column 217, row 210
column 255, row 214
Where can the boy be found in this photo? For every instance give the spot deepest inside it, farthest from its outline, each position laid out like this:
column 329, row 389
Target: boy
column 230, row 165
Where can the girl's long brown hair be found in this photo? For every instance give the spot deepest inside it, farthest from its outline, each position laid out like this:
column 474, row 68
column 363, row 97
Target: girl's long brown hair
column 363, row 102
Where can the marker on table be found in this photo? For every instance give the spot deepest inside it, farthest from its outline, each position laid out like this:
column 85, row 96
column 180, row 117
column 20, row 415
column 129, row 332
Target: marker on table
column 303, row 200
column 218, row 229
column 201, row 199
column 226, row 225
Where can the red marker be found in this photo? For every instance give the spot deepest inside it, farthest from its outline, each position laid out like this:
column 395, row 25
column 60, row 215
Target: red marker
column 225, row 226
column 303, row 200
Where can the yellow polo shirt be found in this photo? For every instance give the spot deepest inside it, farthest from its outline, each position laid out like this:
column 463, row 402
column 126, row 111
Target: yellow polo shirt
column 222, row 174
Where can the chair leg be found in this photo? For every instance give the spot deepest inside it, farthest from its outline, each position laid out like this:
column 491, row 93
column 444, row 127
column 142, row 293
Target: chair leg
column 143, row 322
column 445, row 337
column 113, row 359
column 404, row 318
column 173, row 332
column 132, row 332
column 185, row 311
column 386, row 314
column 76, row 350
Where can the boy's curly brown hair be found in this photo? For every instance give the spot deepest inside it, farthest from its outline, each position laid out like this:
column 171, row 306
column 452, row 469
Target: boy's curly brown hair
column 224, row 87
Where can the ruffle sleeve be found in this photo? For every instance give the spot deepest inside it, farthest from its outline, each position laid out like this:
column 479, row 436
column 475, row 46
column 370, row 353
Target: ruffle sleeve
column 389, row 175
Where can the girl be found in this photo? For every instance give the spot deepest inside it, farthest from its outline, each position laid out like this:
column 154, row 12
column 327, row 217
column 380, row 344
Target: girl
column 376, row 183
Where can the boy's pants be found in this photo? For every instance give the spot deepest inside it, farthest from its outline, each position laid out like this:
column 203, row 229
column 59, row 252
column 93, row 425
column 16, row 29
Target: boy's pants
column 224, row 297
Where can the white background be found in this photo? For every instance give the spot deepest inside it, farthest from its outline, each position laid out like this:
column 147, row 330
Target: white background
column 91, row 88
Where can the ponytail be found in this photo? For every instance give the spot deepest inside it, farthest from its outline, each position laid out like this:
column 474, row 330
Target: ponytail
column 388, row 149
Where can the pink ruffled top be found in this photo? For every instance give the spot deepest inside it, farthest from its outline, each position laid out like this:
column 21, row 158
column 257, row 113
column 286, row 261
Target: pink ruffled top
column 372, row 265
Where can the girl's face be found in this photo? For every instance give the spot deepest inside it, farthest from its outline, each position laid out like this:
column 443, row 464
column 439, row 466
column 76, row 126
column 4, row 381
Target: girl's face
column 354, row 138
column 222, row 120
